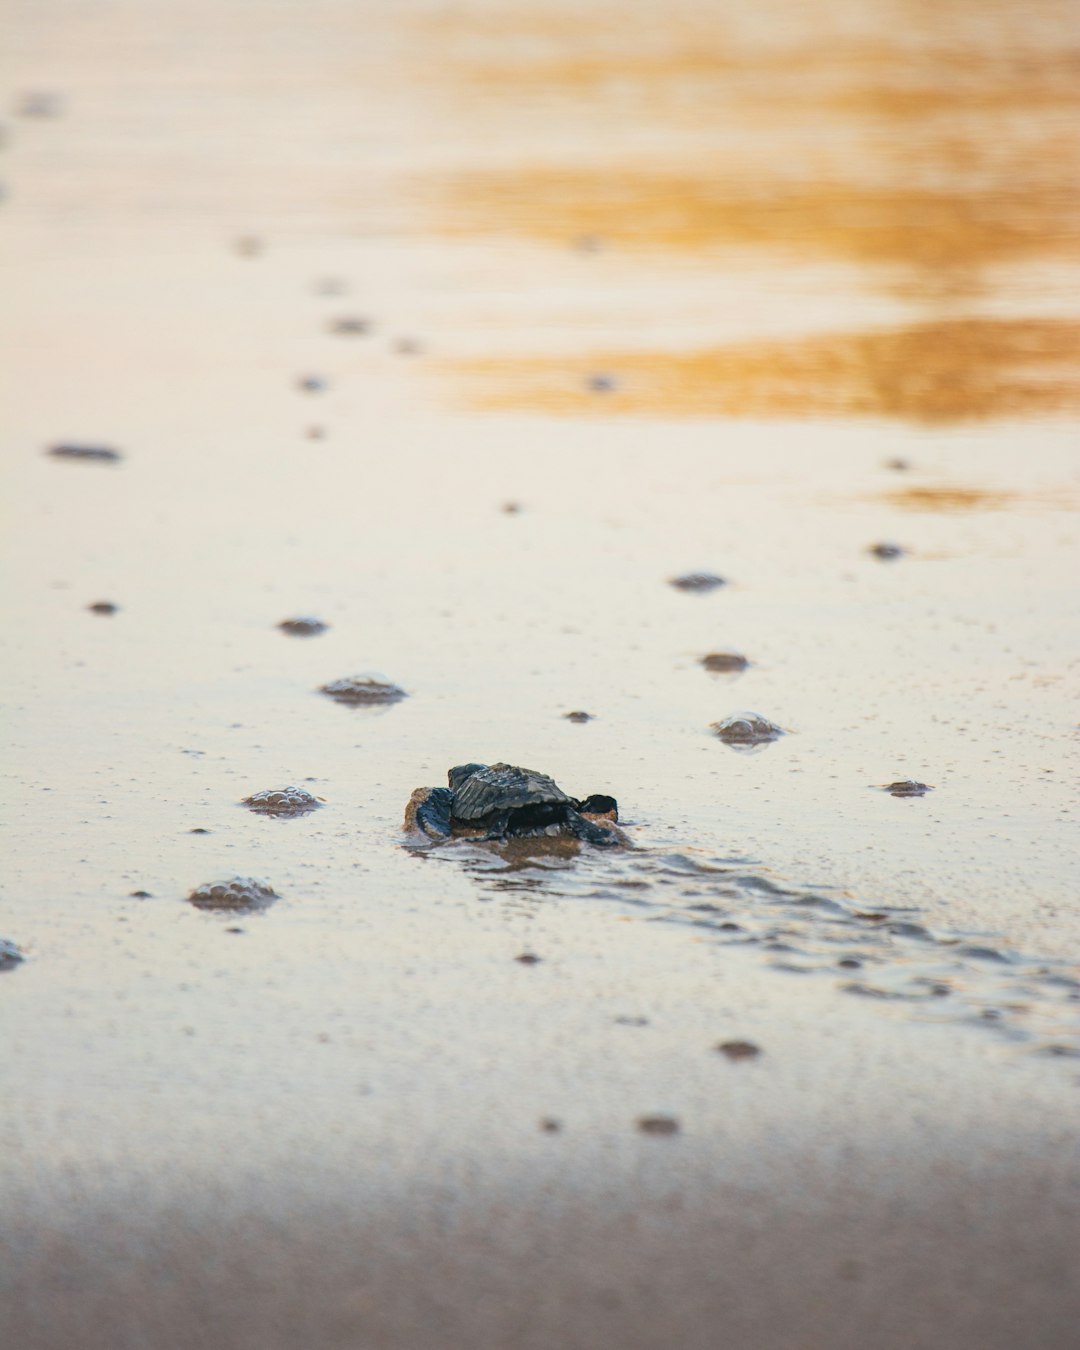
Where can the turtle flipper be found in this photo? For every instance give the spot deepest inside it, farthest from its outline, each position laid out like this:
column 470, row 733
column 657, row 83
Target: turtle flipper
column 592, row 834
column 497, row 829
column 428, row 812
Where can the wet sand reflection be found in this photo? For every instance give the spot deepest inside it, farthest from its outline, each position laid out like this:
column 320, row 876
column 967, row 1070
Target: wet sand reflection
column 923, row 226
column 939, row 160
column 937, row 372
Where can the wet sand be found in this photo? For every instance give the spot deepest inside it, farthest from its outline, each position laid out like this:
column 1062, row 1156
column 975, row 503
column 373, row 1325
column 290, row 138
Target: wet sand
column 681, row 286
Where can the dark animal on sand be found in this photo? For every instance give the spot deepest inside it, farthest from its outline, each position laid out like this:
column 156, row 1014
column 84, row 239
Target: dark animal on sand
column 502, row 801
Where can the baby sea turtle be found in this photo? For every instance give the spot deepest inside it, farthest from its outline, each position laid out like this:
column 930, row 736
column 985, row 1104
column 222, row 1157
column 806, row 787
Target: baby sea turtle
column 499, row 801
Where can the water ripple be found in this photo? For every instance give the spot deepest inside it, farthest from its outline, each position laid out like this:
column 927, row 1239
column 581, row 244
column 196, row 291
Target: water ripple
column 879, row 952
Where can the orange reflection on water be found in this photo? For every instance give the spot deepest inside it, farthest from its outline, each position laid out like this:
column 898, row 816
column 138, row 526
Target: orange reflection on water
column 949, row 499
column 707, row 67
column 936, row 372
column 927, row 227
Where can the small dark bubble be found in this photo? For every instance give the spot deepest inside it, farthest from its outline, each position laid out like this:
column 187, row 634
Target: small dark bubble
column 349, row 327
column 141, row 895
column 550, row 1125
column 511, row 508
column 40, row 103
column 699, row 583
column 103, row 607
column 198, row 830
column 602, row 383
column 578, row 716
column 1059, row 1051
column 303, row 625
column 528, row 959
column 628, row 1021
column 724, row 662
column 315, row 433
column 234, row 930
column 102, row 454
column 311, row 384
column 736, row 1050
column 10, row 955
column 898, row 465
column 886, row 552
column 849, row 963
column 658, row 1125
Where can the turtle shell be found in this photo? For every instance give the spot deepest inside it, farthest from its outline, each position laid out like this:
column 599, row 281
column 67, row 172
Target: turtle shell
column 504, row 787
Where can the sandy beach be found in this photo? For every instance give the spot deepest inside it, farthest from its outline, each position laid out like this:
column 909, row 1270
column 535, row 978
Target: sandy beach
column 467, row 330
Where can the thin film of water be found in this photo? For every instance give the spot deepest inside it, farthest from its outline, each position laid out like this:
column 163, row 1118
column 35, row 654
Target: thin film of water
column 876, row 951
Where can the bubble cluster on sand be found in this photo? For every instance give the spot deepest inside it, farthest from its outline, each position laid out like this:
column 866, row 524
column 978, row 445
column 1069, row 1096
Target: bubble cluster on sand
column 361, row 690
column 747, row 728
column 907, row 787
column 236, row 895
column 282, row 801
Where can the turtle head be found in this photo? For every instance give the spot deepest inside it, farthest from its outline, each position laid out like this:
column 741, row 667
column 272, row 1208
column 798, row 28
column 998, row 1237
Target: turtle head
column 600, row 804
column 458, row 775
